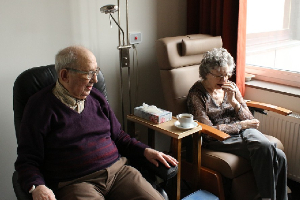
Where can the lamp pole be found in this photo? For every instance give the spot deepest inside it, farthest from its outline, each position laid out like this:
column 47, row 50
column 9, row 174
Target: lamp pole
column 124, row 55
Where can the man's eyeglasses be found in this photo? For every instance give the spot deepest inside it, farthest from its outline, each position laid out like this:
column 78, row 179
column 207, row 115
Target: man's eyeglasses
column 220, row 77
column 89, row 75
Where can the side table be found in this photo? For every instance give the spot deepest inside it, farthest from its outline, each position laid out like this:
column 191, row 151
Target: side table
column 176, row 134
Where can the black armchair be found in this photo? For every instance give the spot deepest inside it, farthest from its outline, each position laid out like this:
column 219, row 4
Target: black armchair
column 35, row 79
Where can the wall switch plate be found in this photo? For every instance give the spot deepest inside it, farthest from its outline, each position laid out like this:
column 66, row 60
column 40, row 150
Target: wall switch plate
column 135, row 38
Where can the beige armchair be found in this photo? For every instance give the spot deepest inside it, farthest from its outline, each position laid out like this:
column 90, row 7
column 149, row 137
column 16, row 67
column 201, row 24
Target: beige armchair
column 178, row 59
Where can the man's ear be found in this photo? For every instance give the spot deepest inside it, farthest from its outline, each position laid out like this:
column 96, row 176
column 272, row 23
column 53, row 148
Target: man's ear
column 64, row 75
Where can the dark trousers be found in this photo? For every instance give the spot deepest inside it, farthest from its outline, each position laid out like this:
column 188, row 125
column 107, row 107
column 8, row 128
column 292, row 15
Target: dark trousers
column 268, row 162
column 118, row 181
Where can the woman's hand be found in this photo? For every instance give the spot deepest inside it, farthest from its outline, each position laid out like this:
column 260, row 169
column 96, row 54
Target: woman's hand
column 230, row 88
column 42, row 192
column 154, row 156
column 251, row 123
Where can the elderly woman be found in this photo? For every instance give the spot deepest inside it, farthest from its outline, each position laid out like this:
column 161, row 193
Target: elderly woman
column 216, row 101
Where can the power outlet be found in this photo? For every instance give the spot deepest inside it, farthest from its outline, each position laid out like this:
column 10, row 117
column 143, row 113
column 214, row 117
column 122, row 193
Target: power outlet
column 135, row 38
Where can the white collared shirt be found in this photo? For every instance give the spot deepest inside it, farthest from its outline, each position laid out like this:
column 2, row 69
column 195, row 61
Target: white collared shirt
column 64, row 96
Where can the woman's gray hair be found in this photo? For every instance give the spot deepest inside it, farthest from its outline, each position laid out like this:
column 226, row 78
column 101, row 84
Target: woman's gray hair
column 218, row 57
column 67, row 57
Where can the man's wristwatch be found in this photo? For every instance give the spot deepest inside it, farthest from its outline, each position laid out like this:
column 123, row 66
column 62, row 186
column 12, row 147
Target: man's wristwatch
column 31, row 189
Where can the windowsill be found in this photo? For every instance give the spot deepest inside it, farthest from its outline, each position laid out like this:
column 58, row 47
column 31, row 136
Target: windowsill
column 274, row 87
column 254, row 49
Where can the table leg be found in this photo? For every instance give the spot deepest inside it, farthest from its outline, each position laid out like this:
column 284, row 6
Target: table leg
column 176, row 150
column 151, row 138
column 131, row 128
column 197, row 157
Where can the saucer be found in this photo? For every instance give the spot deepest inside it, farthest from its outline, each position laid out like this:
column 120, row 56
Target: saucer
column 193, row 125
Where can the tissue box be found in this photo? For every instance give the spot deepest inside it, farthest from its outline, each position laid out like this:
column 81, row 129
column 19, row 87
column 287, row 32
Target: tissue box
column 162, row 117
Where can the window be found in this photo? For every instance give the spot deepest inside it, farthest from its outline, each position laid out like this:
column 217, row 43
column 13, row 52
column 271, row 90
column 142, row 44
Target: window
column 273, row 41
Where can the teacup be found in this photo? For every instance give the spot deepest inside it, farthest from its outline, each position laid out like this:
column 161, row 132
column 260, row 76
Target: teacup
column 185, row 120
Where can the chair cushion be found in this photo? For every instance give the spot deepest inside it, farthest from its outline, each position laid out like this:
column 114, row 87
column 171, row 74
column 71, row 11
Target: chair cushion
column 276, row 141
column 177, row 95
column 230, row 165
column 200, row 46
column 169, row 52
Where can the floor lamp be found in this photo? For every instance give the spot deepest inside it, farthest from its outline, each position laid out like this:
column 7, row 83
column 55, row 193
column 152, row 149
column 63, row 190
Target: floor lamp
column 123, row 49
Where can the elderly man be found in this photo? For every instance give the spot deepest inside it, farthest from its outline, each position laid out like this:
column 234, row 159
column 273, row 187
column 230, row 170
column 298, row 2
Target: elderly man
column 71, row 141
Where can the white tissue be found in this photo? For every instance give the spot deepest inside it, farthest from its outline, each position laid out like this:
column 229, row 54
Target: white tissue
column 151, row 109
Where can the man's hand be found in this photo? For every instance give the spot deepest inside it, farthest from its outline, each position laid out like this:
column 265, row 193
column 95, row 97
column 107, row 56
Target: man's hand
column 42, row 192
column 154, row 156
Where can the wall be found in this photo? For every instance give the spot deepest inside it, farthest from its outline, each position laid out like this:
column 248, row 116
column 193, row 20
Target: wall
column 32, row 31
column 281, row 100
column 295, row 7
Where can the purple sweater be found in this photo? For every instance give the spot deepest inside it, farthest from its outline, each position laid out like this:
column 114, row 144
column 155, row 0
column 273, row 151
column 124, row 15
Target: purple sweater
column 58, row 144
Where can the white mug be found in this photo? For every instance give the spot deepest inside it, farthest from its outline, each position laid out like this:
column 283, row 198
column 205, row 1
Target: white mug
column 185, row 119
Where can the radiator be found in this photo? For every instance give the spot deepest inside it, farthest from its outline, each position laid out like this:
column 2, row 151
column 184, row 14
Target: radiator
column 287, row 130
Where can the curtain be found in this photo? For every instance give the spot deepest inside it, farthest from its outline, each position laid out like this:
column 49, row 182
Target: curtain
column 226, row 18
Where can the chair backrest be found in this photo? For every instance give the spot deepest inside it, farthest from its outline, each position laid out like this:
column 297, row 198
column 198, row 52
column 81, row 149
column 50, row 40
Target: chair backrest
column 178, row 60
column 33, row 80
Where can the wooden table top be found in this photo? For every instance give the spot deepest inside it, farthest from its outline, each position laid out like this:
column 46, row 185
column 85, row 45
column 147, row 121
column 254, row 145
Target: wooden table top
column 167, row 128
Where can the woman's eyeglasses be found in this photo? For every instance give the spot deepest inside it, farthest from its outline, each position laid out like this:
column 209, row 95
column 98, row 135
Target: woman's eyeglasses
column 220, row 77
column 88, row 75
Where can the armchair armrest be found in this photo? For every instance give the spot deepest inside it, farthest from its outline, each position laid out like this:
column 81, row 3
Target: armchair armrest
column 215, row 133
column 20, row 194
column 219, row 135
column 161, row 171
column 269, row 107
